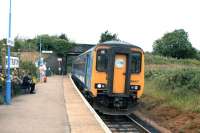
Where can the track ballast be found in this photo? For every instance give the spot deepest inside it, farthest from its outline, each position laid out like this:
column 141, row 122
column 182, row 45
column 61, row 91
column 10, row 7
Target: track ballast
column 122, row 124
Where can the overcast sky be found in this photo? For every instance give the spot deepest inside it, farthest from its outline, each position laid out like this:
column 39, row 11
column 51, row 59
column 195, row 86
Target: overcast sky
column 139, row 22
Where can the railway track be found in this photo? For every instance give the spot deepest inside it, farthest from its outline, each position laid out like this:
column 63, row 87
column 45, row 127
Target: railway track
column 123, row 124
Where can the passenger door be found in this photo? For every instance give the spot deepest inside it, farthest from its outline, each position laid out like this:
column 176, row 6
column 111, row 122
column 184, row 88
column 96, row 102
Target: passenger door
column 119, row 73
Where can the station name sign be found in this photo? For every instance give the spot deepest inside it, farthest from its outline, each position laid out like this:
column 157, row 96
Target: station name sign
column 47, row 52
column 14, row 62
column 10, row 42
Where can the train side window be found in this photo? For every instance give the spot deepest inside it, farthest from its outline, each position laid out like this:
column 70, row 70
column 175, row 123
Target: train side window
column 136, row 63
column 102, row 60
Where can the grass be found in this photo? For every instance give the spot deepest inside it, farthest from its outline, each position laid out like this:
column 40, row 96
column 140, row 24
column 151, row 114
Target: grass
column 156, row 59
column 177, row 87
column 189, row 101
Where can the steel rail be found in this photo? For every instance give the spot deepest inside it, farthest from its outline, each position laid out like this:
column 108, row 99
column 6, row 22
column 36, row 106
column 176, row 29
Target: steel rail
column 123, row 123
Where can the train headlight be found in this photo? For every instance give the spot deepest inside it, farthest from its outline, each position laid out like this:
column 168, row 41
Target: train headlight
column 134, row 87
column 100, row 86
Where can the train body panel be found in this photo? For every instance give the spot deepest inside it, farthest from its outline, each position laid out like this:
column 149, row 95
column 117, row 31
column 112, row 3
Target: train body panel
column 97, row 76
column 138, row 78
column 112, row 76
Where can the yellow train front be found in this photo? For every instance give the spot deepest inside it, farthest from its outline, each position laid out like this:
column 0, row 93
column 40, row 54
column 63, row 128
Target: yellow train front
column 111, row 76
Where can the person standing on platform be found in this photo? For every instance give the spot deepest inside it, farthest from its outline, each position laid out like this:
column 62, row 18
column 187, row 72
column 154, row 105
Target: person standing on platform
column 43, row 69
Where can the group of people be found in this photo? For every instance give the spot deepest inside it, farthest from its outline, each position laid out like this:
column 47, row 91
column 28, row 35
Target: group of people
column 28, row 84
column 25, row 82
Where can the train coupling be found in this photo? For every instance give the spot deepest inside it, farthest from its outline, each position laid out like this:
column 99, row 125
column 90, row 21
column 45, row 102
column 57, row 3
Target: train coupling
column 118, row 102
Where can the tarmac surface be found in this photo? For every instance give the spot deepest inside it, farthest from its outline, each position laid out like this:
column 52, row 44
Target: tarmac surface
column 43, row 112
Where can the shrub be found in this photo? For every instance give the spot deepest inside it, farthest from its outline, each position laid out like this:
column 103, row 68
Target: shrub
column 156, row 59
column 177, row 80
column 29, row 67
column 1, row 99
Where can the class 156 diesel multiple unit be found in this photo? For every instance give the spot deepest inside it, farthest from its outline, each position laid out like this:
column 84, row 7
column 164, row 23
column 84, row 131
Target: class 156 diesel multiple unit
column 111, row 76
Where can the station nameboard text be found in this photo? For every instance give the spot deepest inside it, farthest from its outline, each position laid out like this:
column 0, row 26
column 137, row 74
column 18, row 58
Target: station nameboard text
column 14, row 62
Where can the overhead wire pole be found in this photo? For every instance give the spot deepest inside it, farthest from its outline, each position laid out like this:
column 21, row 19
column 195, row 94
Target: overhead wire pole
column 8, row 81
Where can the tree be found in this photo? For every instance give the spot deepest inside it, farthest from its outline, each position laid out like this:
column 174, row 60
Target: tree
column 198, row 55
column 64, row 37
column 2, row 42
column 24, row 45
column 107, row 36
column 58, row 44
column 175, row 44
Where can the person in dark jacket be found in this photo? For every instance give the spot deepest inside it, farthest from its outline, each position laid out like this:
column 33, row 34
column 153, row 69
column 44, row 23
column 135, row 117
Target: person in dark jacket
column 26, row 83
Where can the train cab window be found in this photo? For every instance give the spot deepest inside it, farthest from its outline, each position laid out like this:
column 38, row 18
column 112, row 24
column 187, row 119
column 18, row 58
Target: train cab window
column 102, row 60
column 136, row 63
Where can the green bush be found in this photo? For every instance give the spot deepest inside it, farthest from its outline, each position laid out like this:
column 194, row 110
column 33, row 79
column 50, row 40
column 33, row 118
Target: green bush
column 177, row 80
column 1, row 99
column 29, row 67
column 160, row 60
column 180, row 98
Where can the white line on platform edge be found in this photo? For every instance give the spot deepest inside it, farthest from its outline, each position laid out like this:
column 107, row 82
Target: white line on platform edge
column 100, row 121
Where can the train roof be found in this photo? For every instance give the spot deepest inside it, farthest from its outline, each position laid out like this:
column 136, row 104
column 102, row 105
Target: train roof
column 119, row 43
column 79, row 49
column 113, row 44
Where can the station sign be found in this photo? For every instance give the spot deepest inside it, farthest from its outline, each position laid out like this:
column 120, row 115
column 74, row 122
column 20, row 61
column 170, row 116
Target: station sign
column 10, row 42
column 47, row 52
column 14, row 62
column 59, row 59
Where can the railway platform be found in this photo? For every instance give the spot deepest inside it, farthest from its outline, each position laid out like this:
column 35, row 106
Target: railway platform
column 57, row 107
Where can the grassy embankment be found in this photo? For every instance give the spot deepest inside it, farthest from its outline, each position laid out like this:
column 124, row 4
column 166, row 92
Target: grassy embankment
column 173, row 83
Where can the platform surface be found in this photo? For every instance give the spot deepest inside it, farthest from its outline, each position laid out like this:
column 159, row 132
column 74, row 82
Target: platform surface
column 55, row 108
column 43, row 112
column 80, row 117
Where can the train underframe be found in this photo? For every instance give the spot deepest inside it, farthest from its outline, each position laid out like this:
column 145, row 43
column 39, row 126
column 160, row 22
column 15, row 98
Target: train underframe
column 115, row 104
column 111, row 104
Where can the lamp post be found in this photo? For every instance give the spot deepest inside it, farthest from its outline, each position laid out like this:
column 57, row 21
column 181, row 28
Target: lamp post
column 40, row 48
column 9, row 43
column 40, row 61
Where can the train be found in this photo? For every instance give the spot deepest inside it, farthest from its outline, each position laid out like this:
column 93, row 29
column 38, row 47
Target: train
column 111, row 76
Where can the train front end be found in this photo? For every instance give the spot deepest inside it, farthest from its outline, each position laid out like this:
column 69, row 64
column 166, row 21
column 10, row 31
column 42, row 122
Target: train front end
column 117, row 77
